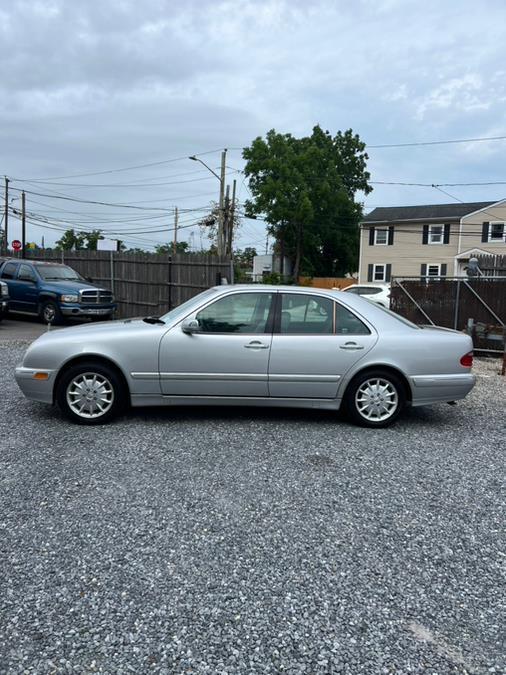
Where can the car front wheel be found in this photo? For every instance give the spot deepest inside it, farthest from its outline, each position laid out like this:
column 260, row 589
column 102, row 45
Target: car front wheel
column 90, row 393
column 375, row 399
column 50, row 313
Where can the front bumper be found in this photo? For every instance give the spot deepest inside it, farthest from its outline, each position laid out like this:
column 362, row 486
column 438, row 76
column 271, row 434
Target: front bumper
column 36, row 390
column 80, row 310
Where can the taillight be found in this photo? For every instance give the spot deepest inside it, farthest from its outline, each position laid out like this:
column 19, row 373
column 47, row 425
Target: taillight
column 467, row 360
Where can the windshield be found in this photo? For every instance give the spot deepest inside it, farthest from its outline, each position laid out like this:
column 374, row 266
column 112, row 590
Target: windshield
column 186, row 307
column 57, row 273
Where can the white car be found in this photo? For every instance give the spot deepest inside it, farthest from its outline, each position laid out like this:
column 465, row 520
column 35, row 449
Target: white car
column 373, row 292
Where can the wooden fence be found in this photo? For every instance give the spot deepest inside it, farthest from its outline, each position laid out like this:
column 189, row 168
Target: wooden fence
column 146, row 283
column 492, row 265
column 327, row 282
column 452, row 302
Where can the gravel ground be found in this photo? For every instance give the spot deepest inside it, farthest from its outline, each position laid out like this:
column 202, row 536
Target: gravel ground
column 247, row 541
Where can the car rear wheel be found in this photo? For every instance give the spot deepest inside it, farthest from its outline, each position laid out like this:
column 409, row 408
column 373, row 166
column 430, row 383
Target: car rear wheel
column 50, row 313
column 90, row 393
column 375, row 399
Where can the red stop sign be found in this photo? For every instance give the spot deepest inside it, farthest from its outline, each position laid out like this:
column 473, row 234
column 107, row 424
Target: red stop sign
column 16, row 245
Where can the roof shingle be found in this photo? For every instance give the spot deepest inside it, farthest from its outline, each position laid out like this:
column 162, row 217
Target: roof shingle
column 390, row 214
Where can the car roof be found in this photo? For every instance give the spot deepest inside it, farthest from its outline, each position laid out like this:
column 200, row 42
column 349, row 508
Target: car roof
column 33, row 262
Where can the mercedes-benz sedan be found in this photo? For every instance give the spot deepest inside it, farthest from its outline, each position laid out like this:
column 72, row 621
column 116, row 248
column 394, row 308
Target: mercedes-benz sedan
column 252, row 345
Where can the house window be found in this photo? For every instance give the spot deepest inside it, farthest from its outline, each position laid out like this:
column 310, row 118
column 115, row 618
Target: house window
column 380, row 237
column 436, row 233
column 433, row 270
column 379, row 273
column 496, row 232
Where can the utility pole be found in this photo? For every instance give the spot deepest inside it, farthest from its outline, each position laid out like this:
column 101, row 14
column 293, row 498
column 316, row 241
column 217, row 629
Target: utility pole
column 221, row 220
column 6, row 215
column 231, row 222
column 176, row 219
column 23, row 225
column 226, row 220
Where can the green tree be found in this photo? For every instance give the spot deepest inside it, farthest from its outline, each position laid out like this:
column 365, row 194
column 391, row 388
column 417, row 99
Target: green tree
column 71, row 241
column 243, row 263
column 305, row 189
column 181, row 247
column 77, row 241
column 91, row 239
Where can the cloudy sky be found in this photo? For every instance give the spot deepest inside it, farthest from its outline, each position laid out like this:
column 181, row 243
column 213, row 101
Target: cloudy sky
column 90, row 87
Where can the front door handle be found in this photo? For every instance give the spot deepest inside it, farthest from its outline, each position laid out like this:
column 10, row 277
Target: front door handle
column 256, row 344
column 351, row 345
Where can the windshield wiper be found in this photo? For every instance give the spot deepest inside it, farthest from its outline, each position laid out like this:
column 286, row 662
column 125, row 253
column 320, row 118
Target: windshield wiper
column 153, row 319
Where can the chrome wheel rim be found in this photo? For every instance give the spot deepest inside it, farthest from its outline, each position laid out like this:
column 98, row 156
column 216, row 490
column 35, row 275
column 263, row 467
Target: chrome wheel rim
column 49, row 313
column 90, row 395
column 376, row 399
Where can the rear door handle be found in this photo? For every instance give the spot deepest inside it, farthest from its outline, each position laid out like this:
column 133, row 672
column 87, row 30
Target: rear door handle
column 256, row 344
column 351, row 345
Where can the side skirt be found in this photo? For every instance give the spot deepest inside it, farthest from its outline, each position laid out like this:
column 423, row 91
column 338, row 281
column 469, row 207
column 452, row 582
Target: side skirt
column 139, row 400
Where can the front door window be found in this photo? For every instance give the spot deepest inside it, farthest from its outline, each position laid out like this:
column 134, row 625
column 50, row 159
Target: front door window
column 238, row 313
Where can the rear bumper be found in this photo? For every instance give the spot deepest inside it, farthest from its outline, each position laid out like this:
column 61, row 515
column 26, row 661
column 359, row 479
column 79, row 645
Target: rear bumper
column 80, row 310
column 434, row 388
column 36, row 390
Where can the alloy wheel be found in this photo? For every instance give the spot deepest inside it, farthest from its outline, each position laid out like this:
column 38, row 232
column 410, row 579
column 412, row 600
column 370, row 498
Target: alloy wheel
column 376, row 399
column 90, row 395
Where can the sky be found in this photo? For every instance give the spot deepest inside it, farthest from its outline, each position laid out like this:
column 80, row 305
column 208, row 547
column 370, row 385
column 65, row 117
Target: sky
column 99, row 87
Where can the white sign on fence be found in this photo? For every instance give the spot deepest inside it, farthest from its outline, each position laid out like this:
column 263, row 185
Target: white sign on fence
column 107, row 245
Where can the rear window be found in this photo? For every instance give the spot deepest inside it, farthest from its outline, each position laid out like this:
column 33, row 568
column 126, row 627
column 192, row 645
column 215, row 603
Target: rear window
column 400, row 318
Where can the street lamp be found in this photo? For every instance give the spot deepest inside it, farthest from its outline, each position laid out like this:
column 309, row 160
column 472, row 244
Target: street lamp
column 221, row 209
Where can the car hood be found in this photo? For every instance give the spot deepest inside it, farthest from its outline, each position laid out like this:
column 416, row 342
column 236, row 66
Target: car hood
column 66, row 286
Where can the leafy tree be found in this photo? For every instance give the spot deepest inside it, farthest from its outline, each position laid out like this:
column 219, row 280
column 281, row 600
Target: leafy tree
column 71, row 241
column 305, row 189
column 181, row 247
column 77, row 241
column 245, row 258
column 243, row 263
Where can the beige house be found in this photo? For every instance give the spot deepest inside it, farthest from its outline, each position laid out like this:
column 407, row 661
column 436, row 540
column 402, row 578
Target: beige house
column 435, row 240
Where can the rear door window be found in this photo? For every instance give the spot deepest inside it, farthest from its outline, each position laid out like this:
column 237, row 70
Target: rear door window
column 348, row 323
column 306, row 315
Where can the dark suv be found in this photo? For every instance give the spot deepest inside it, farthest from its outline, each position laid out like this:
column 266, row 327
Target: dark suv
column 53, row 291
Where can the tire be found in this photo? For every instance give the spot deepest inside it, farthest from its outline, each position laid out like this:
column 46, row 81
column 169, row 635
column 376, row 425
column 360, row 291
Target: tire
column 50, row 313
column 361, row 402
column 95, row 385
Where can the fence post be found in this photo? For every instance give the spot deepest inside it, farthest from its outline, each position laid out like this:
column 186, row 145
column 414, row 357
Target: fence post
column 457, row 303
column 169, row 302
column 231, row 271
column 503, row 370
column 112, row 270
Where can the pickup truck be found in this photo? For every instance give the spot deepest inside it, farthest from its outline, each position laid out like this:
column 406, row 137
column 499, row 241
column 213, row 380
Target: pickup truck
column 4, row 299
column 53, row 292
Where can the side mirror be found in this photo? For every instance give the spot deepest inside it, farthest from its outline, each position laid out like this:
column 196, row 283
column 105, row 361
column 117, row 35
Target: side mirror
column 190, row 326
column 89, row 279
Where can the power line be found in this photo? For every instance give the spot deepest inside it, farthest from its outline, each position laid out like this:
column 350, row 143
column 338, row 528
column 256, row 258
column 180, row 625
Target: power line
column 130, row 168
column 445, row 142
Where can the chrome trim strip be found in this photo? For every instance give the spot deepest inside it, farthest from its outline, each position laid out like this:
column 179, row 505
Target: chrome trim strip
column 145, row 376
column 303, row 378
column 442, row 380
column 220, row 377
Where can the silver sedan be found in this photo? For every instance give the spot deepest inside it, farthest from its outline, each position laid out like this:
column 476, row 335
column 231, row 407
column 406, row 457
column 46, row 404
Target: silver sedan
column 252, row 345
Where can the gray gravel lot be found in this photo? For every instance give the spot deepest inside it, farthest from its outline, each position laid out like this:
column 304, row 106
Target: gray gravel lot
column 250, row 541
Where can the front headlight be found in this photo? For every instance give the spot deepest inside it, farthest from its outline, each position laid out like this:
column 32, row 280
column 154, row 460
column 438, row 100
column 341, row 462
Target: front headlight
column 69, row 298
column 4, row 290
